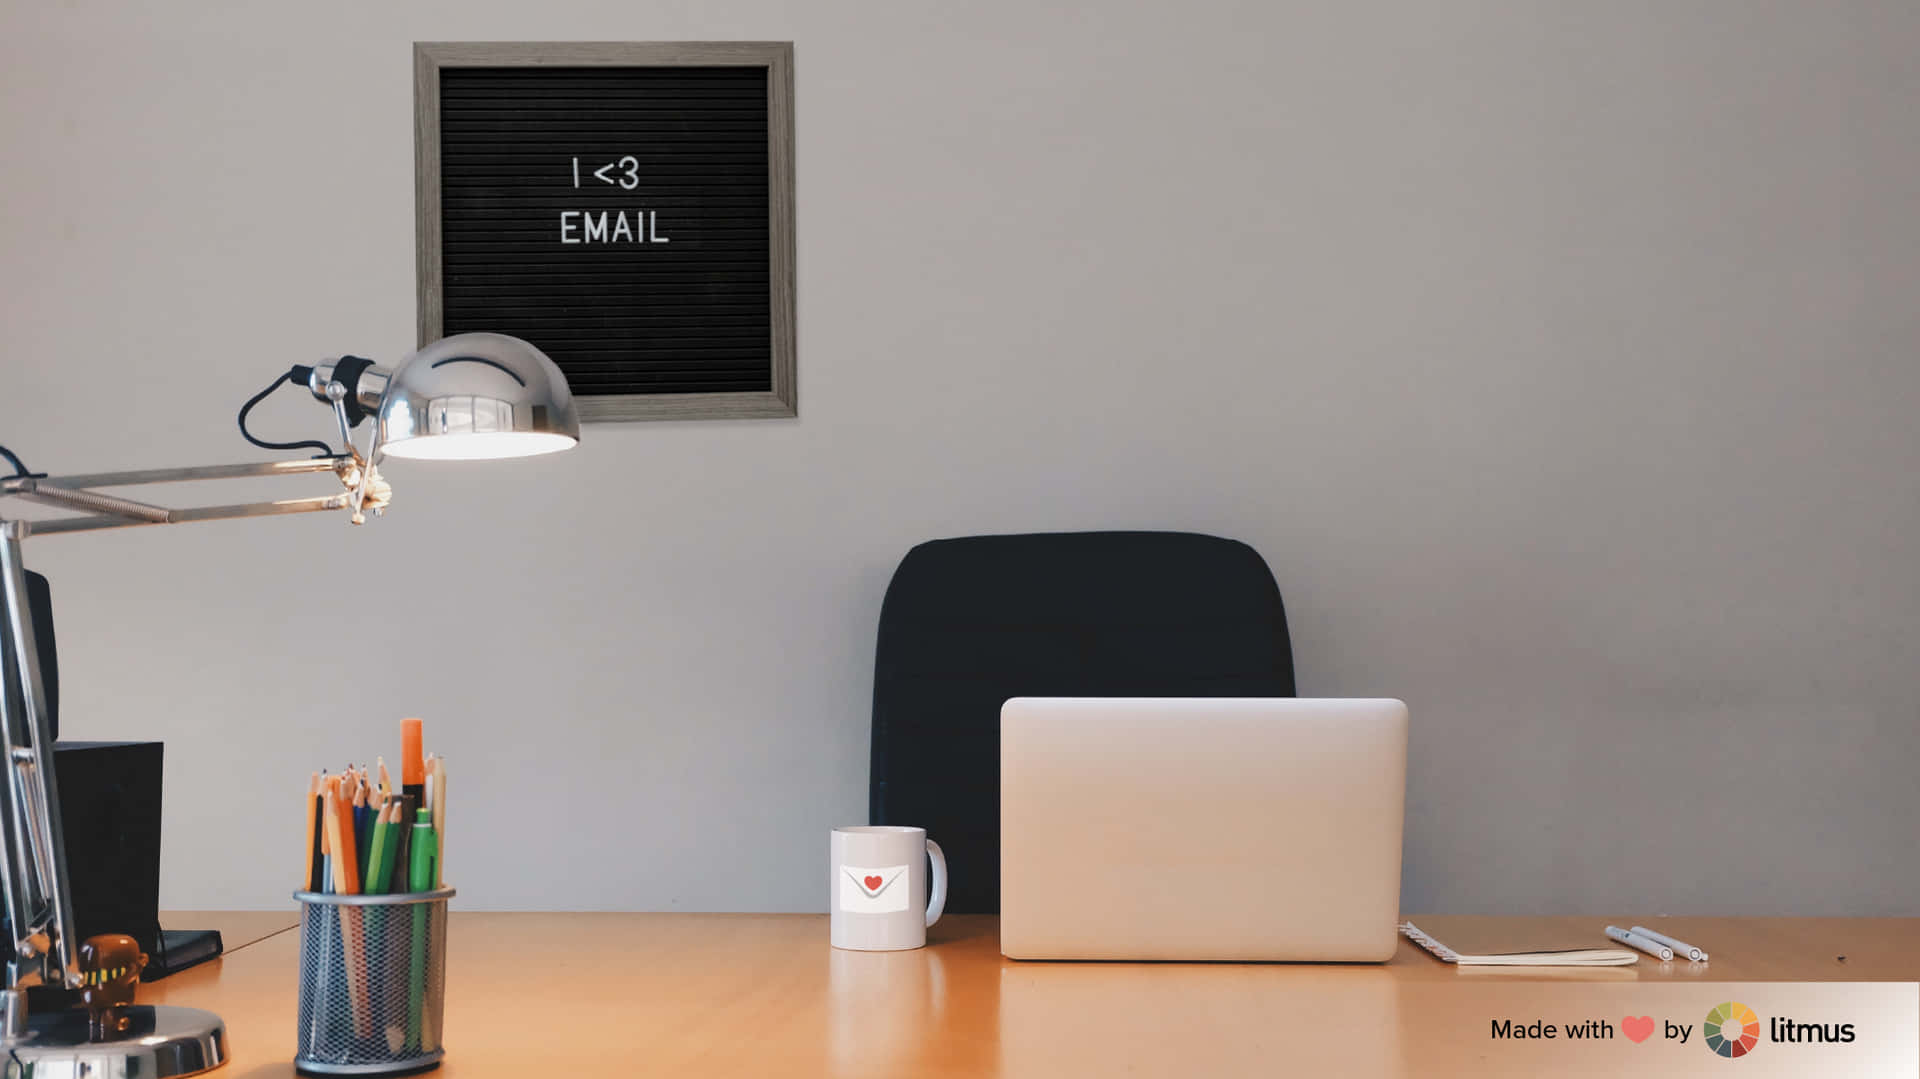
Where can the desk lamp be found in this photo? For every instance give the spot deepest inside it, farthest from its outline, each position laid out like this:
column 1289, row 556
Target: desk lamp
column 472, row 396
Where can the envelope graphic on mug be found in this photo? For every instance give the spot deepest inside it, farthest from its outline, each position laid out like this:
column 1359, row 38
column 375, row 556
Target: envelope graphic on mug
column 870, row 890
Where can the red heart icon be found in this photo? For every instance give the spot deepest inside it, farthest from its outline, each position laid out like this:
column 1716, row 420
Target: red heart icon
column 1637, row 1028
column 873, row 885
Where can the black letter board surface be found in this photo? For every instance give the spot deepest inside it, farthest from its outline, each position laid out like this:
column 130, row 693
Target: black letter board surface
column 626, row 207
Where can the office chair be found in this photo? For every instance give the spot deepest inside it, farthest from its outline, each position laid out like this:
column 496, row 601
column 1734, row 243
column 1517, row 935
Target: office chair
column 968, row 623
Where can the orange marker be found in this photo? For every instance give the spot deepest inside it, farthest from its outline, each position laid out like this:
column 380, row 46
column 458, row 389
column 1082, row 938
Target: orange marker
column 413, row 767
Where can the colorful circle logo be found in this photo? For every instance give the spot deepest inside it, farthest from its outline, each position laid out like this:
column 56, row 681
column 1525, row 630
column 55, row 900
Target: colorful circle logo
column 1732, row 1030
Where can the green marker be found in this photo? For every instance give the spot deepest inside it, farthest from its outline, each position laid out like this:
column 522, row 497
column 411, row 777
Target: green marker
column 425, row 852
column 421, row 879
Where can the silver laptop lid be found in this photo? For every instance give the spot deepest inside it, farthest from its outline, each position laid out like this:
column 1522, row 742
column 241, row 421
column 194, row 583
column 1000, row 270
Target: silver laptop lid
column 1206, row 828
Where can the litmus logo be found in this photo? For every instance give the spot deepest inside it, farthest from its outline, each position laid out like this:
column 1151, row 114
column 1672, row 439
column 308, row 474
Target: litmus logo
column 1786, row 1029
column 1731, row 1029
column 867, row 890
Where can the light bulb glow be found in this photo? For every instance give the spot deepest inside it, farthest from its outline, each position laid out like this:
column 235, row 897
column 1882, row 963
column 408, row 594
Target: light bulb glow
column 478, row 446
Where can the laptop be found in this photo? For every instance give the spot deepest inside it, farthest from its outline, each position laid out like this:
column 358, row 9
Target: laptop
column 1201, row 829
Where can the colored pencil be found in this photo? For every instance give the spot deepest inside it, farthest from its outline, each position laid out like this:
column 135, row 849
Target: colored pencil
column 439, row 812
column 312, row 852
column 379, row 919
column 350, row 942
column 346, row 852
column 436, row 943
column 403, row 849
column 398, row 947
column 333, row 838
column 380, row 858
column 326, row 834
column 316, row 875
column 352, row 925
column 362, row 826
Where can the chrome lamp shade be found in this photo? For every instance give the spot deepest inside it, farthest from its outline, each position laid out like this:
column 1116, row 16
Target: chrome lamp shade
column 477, row 396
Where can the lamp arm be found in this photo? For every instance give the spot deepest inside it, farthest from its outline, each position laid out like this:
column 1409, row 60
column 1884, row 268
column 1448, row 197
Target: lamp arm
column 353, row 386
column 39, row 906
column 34, row 867
column 111, row 511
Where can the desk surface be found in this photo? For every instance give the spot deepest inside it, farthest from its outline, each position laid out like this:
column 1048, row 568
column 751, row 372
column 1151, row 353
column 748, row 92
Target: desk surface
column 723, row 995
column 238, row 928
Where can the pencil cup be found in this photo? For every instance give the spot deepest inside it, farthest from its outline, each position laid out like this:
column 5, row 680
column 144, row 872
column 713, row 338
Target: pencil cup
column 372, row 982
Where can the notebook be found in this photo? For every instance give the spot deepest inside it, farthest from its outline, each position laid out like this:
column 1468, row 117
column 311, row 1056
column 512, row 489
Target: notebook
column 1494, row 942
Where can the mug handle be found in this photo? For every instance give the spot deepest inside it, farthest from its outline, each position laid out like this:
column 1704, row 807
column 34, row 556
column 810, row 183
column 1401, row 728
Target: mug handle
column 938, row 902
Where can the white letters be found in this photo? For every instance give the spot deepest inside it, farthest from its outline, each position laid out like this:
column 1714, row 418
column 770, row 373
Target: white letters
column 602, row 227
column 611, row 227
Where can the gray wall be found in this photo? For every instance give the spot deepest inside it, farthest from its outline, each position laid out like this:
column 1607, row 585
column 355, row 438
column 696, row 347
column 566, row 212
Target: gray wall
column 1561, row 359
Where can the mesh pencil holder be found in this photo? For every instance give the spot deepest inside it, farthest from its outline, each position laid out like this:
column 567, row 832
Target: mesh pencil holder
column 372, row 982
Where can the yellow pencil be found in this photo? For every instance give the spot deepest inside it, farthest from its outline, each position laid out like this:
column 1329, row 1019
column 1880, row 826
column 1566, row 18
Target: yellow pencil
column 331, row 819
column 439, row 813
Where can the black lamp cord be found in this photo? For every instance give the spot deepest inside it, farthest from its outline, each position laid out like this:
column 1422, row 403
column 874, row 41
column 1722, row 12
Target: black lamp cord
column 298, row 377
column 19, row 469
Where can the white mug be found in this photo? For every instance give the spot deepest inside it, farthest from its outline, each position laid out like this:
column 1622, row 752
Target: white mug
column 877, row 897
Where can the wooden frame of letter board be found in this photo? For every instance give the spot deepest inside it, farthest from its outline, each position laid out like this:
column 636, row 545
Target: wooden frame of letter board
column 776, row 56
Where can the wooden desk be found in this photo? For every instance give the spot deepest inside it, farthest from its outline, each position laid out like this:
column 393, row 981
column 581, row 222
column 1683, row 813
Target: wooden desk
column 720, row 995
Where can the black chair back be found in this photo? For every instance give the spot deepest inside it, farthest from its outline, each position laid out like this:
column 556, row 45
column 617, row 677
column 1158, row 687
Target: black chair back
column 968, row 623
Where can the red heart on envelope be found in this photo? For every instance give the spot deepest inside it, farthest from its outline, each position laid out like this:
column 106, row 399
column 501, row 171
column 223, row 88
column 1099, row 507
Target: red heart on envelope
column 1637, row 1028
column 873, row 885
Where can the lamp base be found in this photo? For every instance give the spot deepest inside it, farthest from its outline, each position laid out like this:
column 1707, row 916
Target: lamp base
column 160, row 1043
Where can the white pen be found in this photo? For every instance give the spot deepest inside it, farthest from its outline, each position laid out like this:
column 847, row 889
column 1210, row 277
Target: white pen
column 1634, row 940
column 1680, row 947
